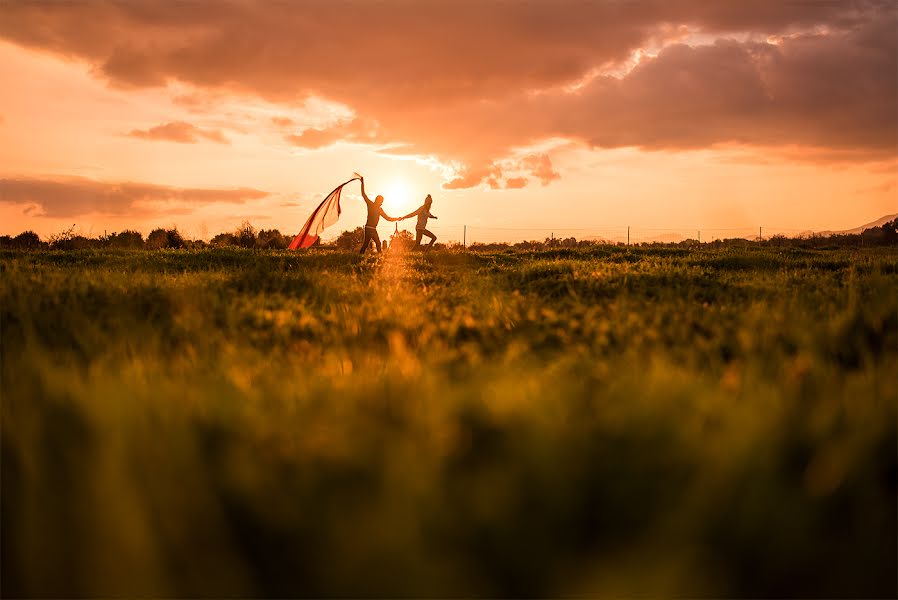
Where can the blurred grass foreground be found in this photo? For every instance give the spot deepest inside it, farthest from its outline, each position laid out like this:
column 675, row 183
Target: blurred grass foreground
column 605, row 421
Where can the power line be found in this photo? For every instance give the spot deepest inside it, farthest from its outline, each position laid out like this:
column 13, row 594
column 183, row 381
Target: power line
column 473, row 234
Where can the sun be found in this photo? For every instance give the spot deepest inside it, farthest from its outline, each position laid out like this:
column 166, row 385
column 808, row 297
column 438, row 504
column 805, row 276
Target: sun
column 398, row 199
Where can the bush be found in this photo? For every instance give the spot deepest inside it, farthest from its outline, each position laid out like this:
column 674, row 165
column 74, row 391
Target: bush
column 27, row 240
column 887, row 233
column 223, row 239
column 165, row 238
column 60, row 241
column 245, row 236
column 271, row 239
column 350, row 240
column 67, row 240
column 402, row 240
column 125, row 239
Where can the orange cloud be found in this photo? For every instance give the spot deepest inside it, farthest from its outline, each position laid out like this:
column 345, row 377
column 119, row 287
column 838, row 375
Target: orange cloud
column 181, row 132
column 469, row 82
column 74, row 196
column 356, row 130
column 541, row 167
column 472, row 177
column 282, row 121
column 508, row 172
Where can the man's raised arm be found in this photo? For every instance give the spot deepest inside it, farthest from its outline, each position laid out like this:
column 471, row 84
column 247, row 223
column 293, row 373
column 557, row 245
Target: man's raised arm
column 364, row 196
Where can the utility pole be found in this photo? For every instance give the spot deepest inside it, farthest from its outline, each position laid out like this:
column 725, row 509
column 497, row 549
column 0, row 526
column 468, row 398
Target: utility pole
column 628, row 235
column 464, row 237
column 760, row 237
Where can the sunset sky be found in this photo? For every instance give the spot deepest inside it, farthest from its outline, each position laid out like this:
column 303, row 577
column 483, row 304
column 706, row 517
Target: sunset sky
column 517, row 116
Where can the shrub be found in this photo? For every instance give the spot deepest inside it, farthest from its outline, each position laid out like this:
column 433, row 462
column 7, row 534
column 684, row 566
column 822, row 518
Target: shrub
column 125, row 239
column 223, row 239
column 60, row 240
column 271, row 239
column 27, row 240
column 245, row 236
column 402, row 240
column 165, row 238
column 350, row 240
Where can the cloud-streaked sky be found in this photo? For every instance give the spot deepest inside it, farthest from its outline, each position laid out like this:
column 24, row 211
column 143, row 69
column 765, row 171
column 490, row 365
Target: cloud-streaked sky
column 656, row 113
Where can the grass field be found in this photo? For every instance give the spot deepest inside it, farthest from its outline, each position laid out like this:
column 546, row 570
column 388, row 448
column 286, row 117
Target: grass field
column 605, row 421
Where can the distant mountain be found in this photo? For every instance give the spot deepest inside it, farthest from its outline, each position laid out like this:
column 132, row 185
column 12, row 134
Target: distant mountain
column 877, row 223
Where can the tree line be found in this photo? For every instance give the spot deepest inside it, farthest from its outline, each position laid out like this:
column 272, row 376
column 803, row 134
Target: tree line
column 247, row 236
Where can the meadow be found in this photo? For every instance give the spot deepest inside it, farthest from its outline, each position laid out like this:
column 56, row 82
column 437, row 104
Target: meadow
column 574, row 422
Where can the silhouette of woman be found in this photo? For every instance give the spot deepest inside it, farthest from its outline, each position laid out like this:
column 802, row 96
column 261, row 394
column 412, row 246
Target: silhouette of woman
column 423, row 213
column 375, row 212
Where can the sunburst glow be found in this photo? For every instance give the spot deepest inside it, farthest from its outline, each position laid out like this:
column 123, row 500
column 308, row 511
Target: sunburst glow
column 397, row 198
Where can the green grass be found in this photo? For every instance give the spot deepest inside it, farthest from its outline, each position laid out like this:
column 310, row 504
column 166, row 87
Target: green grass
column 605, row 421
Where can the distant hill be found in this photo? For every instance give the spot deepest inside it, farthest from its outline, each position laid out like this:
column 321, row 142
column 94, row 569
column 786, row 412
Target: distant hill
column 877, row 223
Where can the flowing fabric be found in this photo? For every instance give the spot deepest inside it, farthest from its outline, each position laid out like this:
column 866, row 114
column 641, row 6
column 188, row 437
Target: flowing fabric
column 325, row 215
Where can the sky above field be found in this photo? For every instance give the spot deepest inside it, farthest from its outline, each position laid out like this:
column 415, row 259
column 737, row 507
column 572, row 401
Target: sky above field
column 515, row 115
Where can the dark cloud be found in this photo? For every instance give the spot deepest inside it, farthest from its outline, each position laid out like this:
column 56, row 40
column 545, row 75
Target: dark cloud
column 418, row 50
column 836, row 91
column 74, row 196
column 181, row 132
column 471, row 81
column 813, row 97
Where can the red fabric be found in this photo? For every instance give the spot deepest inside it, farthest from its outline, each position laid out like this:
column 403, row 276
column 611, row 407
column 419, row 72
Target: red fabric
column 325, row 215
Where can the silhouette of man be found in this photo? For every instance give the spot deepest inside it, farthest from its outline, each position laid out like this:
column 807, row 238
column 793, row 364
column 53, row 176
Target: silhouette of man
column 375, row 212
column 423, row 213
